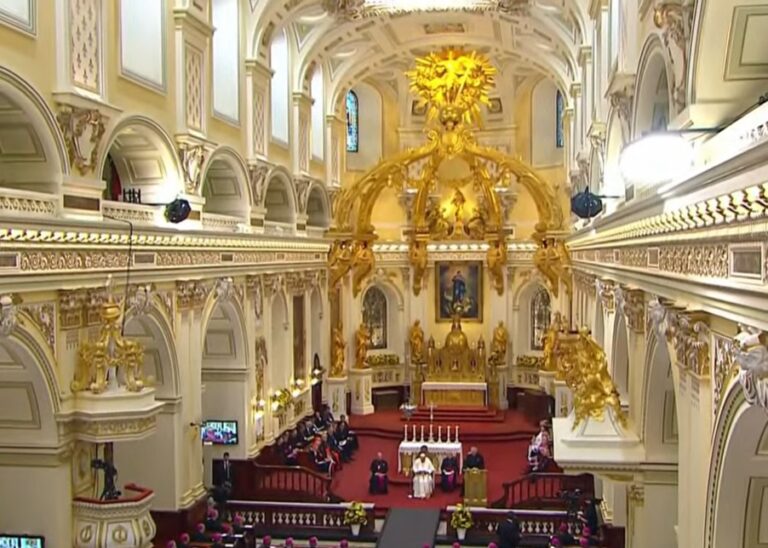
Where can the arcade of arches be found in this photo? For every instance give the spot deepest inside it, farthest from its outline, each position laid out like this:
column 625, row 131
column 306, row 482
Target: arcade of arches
column 236, row 210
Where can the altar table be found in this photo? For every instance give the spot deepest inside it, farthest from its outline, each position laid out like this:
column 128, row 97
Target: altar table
column 438, row 451
column 459, row 394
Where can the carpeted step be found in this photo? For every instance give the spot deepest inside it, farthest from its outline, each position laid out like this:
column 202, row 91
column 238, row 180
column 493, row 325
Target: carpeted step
column 406, row 527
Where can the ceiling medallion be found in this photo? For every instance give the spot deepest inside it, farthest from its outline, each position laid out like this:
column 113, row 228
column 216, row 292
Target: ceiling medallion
column 359, row 9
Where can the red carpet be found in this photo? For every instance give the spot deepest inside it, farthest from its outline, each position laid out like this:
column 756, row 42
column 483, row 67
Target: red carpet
column 503, row 444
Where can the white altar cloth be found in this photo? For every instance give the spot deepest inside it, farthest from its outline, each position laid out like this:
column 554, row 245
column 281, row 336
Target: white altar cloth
column 469, row 386
column 439, row 449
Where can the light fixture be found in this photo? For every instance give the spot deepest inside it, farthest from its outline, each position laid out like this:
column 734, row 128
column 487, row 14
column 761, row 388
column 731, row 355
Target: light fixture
column 656, row 158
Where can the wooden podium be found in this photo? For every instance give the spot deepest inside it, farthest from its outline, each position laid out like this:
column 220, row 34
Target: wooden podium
column 475, row 487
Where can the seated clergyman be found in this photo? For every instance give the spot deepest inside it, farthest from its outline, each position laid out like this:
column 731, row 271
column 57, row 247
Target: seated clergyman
column 449, row 473
column 423, row 477
column 379, row 482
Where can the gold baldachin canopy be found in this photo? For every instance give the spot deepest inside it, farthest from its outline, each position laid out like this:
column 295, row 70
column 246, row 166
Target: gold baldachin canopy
column 453, row 84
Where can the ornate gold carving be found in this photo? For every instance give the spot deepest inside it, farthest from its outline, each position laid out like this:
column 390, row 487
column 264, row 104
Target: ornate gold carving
column 71, row 309
column 606, row 292
column 417, row 255
column 254, row 287
column 362, row 265
column 43, row 316
column 456, row 360
column 551, row 340
column 554, row 262
column 725, row 368
column 530, row 362
column 190, row 294
column 636, row 494
column 303, row 185
column 338, row 348
column 497, row 260
column 273, row 284
column 192, row 158
column 416, row 340
column 690, row 333
column 83, row 130
column 257, row 177
column 94, row 303
column 674, row 20
column 37, row 261
column 8, row 316
column 362, row 342
column 585, row 282
column 633, row 307
column 110, row 350
column 339, row 262
column 261, row 364
column 584, row 367
column 499, row 344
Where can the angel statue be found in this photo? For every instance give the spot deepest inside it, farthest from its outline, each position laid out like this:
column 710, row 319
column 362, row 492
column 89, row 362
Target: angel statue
column 362, row 265
column 363, row 341
column 550, row 343
column 416, row 338
column 339, row 345
column 499, row 345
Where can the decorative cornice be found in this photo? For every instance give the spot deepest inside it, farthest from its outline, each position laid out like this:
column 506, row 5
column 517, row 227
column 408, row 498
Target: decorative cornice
column 190, row 295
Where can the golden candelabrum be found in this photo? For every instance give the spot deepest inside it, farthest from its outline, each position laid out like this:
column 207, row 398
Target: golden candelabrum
column 582, row 364
column 109, row 351
column 453, row 84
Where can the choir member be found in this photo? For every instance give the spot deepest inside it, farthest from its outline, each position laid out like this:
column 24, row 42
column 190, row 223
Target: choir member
column 449, row 473
column 379, row 482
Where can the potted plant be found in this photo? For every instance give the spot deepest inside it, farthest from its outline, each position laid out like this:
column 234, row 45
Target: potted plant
column 355, row 517
column 461, row 520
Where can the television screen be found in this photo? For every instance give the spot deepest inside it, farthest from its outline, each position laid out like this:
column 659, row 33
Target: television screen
column 218, row 433
column 21, row 541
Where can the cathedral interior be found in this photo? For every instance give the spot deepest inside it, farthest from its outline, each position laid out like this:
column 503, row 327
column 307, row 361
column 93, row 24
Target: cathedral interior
column 218, row 217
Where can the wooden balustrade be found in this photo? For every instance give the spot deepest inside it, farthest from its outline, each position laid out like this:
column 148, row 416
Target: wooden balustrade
column 299, row 520
column 543, row 490
column 280, row 483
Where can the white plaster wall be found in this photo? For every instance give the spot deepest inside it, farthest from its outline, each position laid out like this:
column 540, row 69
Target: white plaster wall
column 226, row 59
column 544, row 151
column 317, row 129
column 226, row 400
column 370, row 132
column 660, row 516
column 162, row 476
column 37, row 500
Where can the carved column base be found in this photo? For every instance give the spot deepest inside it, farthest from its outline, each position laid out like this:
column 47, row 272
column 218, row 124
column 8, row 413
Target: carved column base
column 361, row 385
column 336, row 390
column 123, row 522
column 563, row 398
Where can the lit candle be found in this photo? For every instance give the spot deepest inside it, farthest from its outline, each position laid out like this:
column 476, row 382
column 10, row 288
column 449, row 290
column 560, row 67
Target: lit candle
column 431, row 437
column 422, row 432
column 439, row 433
column 405, row 428
column 414, row 433
column 457, row 433
column 448, row 431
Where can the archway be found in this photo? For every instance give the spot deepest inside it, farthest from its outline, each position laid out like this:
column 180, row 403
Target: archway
column 161, row 370
column 29, row 405
column 226, row 190
column 653, row 95
column 227, row 391
column 534, row 317
column 280, row 202
column 738, row 483
column 613, row 183
column 33, row 153
column 318, row 209
column 139, row 163
column 659, row 424
column 620, row 357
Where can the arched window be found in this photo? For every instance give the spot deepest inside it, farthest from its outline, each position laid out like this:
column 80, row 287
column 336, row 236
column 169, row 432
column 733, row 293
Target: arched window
column 278, row 62
column 540, row 318
column 375, row 316
column 318, row 124
column 353, row 122
column 559, row 107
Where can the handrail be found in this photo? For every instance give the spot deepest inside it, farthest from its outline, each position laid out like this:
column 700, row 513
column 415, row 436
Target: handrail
column 543, row 489
column 140, row 494
column 285, row 483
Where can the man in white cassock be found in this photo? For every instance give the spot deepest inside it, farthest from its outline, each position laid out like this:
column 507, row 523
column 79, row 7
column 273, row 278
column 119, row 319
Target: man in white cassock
column 423, row 477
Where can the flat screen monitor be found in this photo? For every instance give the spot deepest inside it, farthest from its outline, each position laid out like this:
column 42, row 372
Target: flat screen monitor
column 219, row 433
column 21, row 541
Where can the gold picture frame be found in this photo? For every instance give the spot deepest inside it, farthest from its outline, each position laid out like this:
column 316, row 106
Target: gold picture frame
column 461, row 280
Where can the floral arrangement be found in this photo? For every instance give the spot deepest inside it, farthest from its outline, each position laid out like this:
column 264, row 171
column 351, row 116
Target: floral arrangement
column 355, row 514
column 461, row 518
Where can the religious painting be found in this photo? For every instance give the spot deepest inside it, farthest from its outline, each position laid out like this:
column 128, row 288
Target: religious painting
column 459, row 289
column 375, row 317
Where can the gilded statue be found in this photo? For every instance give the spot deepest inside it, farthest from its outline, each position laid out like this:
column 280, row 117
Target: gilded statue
column 475, row 226
column 553, row 261
column 549, row 361
column 439, row 226
column 499, row 345
column 339, row 346
column 417, row 255
column 497, row 260
column 362, row 264
column 362, row 342
column 416, row 339
column 339, row 262
column 585, row 369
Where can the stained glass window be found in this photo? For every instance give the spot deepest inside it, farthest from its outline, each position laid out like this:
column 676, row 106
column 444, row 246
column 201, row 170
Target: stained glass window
column 559, row 130
column 353, row 124
column 375, row 316
column 541, row 312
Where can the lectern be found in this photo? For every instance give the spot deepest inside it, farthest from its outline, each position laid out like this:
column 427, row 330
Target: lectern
column 475, row 487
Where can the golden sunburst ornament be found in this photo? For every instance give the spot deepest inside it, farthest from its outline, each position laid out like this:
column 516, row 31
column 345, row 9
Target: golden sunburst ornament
column 453, row 84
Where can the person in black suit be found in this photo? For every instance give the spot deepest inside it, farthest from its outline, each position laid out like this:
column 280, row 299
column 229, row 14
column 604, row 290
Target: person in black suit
column 474, row 460
column 509, row 532
column 223, row 475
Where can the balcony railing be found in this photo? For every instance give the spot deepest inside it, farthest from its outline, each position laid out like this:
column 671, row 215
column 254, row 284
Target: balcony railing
column 543, row 490
column 281, row 483
column 27, row 203
column 128, row 211
column 216, row 221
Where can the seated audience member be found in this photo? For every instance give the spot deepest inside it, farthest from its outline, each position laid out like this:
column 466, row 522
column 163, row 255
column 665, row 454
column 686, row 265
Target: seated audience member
column 344, row 433
column 287, row 451
column 449, row 473
column 294, row 439
column 266, row 542
column 311, row 429
column 303, row 436
column 533, row 456
column 327, row 414
column 170, row 544
column 320, row 457
column 199, row 534
column 543, row 443
column 339, row 455
column 474, row 460
column 183, row 541
column 213, row 523
column 590, row 514
column 218, row 541
column 379, row 482
column 330, row 450
column 319, row 421
column 344, row 450
column 238, row 524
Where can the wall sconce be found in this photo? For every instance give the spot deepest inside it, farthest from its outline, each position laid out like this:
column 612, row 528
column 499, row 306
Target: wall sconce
column 317, row 375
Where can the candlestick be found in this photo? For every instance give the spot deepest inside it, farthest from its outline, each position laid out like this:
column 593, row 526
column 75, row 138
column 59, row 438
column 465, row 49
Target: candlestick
column 422, row 432
column 405, row 428
column 457, row 433
column 413, row 438
column 431, row 437
column 439, row 434
column 448, row 428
